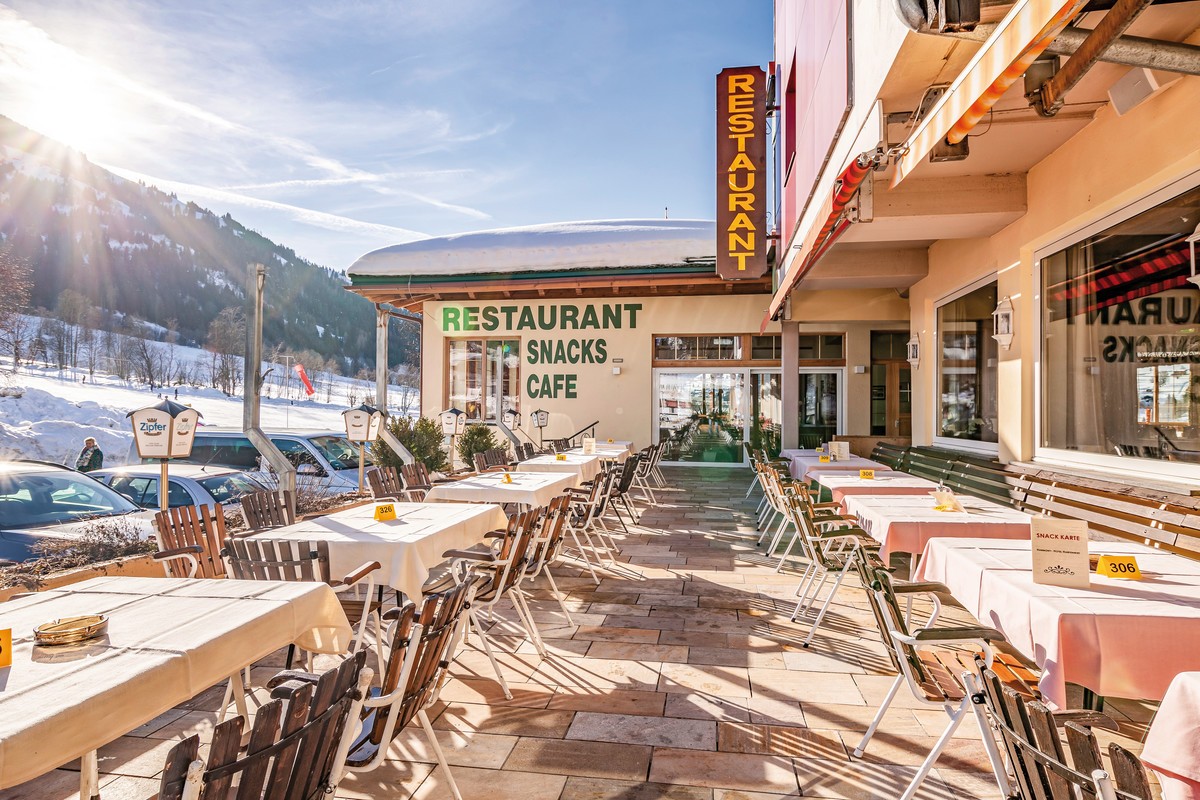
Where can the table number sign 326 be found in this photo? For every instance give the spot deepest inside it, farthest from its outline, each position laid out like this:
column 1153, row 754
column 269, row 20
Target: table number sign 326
column 385, row 512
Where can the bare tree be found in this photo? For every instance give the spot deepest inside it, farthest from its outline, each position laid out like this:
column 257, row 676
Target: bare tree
column 226, row 339
column 16, row 278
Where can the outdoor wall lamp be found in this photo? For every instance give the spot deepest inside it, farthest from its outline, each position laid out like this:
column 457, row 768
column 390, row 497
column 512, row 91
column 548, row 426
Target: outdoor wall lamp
column 1194, row 279
column 914, row 351
column 1002, row 323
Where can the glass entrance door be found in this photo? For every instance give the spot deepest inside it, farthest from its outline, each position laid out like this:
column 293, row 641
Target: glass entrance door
column 821, row 405
column 766, row 412
column 701, row 415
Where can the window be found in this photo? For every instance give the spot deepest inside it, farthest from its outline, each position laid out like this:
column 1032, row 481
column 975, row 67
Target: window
column 967, row 356
column 821, row 347
column 473, row 367
column 889, row 345
column 726, row 347
column 766, row 348
column 1121, row 339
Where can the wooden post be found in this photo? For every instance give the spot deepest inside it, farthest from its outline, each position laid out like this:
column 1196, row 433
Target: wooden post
column 361, row 460
column 163, row 487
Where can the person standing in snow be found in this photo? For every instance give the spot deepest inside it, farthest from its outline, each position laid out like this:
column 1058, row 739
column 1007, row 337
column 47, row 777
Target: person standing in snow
column 91, row 457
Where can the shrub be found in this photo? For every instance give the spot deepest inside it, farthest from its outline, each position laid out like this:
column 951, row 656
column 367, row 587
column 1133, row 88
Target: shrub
column 476, row 439
column 423, row 438
column 103, row 540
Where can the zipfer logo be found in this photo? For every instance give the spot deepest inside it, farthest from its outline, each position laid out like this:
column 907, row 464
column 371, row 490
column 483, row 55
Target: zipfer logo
column 152, row 427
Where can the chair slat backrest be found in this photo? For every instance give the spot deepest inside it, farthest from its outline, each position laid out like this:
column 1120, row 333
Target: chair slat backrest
column 278, row 560
column 293, row 744
column 385, row 482
column 421, row 649
column 550, row 536
column 415, row 477
column 188, row 526
column 264, row 510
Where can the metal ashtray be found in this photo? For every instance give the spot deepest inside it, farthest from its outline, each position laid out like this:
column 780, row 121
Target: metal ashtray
column 70, row 630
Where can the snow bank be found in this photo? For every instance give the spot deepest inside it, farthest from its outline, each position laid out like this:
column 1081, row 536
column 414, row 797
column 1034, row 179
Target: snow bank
column 565, row 245
column 41, row 426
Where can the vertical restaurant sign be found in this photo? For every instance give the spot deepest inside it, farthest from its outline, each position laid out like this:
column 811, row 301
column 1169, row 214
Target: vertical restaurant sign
column 741, row 173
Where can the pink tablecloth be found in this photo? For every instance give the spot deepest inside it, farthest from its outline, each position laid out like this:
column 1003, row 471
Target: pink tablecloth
column 845, row 484
column 905, row 524
column 1118, row 638
column 1173, row 744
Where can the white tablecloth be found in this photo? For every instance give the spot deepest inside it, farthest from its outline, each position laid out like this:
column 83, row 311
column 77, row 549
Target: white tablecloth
column 905, row 523
column 805, row 463
column 406, row 547
column 527, row 488
column 609, row 452
column 1173, row 743
column 1118, row 638
column 845, row 484
column 584, row 468
column 168, row 640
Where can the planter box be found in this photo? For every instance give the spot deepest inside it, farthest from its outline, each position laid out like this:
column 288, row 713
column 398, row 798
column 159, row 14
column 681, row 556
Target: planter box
column 143, row 566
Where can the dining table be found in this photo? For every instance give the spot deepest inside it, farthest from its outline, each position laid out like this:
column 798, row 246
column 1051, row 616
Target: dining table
column 584, row 468
column 1171, row 747
column 526, row 489
column 803, row 463
column 407, row 547
column 168, row 640
column 906, row 523
column 842, row 484
column 1118, row 637
column 606, row 452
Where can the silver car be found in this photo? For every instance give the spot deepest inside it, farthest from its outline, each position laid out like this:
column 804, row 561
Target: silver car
column 188, row 484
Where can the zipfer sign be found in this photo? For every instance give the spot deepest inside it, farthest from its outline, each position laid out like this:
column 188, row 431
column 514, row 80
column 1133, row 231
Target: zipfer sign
column 741, row 173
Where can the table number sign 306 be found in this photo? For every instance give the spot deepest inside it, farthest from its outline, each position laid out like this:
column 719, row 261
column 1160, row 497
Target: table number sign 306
column 385, row 512
column 1125, row 567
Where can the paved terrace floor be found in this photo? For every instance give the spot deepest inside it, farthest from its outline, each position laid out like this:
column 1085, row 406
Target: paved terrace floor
column 682, row 678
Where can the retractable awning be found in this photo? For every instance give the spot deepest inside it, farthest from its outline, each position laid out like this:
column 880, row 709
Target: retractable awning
column 1018, row 40
column 826, row 230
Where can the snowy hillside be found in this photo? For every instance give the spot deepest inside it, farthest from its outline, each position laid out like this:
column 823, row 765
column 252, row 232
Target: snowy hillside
column 46, row 414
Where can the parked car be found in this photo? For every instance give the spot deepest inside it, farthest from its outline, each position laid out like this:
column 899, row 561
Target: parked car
column 188, row 484
column 324, row 459
column 41, row 501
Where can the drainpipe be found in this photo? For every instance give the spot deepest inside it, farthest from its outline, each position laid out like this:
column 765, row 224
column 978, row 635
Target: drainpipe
column 382, row 320
column 252, row 387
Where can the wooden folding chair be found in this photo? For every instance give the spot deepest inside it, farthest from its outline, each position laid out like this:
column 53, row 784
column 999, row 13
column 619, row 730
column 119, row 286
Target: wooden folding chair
column 1037, row 761
column 264, row 510
column 191, row 535
column 415, row 480
column 297, row 745
column 385, row 483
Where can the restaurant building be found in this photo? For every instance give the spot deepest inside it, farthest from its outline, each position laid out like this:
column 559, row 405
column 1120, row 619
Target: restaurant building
column 626, row 325
column 1027, row 178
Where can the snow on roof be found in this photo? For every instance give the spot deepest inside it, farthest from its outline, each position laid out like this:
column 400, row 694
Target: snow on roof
column 555, row 246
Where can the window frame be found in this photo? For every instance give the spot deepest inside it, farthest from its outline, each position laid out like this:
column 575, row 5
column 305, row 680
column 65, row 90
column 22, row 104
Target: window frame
column 948, row 442
column 746, row 347
column 448, row 342
column 1171, row 471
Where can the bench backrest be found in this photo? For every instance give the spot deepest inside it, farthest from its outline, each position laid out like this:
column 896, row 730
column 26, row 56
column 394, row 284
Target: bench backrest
column 267, row 509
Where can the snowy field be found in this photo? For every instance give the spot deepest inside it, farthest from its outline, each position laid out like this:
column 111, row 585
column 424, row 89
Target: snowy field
column 57, row 411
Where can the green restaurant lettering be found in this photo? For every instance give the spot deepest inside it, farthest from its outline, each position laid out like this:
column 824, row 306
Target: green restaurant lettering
column 602, row 316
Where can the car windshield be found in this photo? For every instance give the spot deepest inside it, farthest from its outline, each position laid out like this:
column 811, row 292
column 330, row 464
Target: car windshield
column 340, row 452
column 228, row 488
column 36, row 499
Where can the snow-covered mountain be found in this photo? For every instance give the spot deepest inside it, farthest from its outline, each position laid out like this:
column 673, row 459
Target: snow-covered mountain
column 135, row 250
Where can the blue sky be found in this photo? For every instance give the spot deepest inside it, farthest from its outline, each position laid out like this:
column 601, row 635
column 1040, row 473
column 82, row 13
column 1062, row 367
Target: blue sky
column 338, row 127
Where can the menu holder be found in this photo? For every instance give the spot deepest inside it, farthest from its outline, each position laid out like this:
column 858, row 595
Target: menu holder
column 589, row 447
column 1060, row 552
column 841, row 450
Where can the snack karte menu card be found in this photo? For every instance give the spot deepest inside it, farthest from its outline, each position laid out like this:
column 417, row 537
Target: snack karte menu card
column 840, row 449
column 589, row 447
column 1060, row 552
